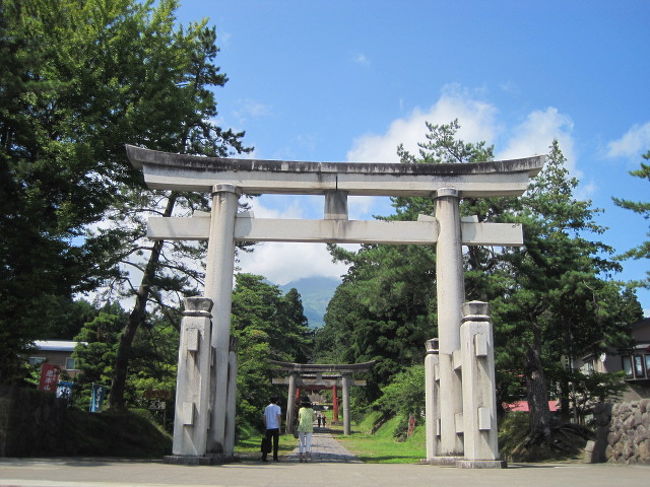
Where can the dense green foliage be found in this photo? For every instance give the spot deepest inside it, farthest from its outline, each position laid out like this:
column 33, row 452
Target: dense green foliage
column 267, row 325
column 402, row 398
column 80, row 80
column 152, row 367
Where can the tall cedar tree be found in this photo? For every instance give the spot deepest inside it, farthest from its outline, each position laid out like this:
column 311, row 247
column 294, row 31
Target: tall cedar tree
column 557, row 300
column 79, row 80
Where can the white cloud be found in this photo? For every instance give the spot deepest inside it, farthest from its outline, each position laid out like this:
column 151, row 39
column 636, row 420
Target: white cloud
column 510, row 87
column 361, row 59
column 250, row 109
column 536, row 133
column 477, row 120
column 586, row 190
column 360, row 207
column 290, row 207
column 282, row 262
column 632, row 144
column 285, row 262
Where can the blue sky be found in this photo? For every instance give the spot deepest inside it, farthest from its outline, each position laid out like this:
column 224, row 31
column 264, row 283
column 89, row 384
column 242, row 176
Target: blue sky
column 349, row 80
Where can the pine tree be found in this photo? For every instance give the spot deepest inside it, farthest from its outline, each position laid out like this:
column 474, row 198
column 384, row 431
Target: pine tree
column 643, row 208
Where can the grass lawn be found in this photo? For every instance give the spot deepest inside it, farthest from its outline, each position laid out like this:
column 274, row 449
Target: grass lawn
column 382, row 446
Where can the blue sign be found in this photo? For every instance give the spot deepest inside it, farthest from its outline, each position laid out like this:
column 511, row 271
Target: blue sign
column 97, row 394
column 64, row 390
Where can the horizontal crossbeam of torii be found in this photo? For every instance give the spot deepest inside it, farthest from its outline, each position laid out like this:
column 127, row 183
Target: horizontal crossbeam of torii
column 250, row 229
column 313, row 382
column 225, row 179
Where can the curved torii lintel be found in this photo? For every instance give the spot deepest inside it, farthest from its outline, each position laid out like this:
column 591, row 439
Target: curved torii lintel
column 319, row 368
column 166, row 170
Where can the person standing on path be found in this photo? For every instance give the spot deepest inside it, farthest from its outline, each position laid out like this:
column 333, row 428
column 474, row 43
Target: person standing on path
column 272, row 422
column 305, row 430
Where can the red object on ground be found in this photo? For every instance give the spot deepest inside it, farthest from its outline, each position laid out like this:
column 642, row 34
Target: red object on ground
column 522, row 406
column 49, row 377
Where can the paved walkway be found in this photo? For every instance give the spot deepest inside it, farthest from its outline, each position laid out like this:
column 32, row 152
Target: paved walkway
column 325, row 449
column 74, row 472
column 331, row 466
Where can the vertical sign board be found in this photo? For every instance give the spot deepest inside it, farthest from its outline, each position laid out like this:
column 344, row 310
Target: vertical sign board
column 97, row 394
column 49, row 378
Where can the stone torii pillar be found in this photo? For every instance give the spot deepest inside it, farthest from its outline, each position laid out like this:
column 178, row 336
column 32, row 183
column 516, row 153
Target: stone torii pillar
column 218, row 287
column 451, row 293
column 291, row 404
column 479, row 396
column 431, row 398
column 345, row 386
column 192, row 384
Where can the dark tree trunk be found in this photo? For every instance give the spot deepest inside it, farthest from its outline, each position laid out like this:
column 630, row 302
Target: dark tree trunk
column 136, row 318
column 537, row 392
column 565, row 413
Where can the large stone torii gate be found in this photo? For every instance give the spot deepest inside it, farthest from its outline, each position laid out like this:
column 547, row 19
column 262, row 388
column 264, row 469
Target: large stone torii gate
column 205, row 384
column 319, row 376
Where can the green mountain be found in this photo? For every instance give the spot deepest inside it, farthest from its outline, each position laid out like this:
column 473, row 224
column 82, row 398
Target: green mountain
column 316, row 293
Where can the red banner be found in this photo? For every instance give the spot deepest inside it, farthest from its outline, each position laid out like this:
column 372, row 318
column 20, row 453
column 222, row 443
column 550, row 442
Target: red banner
column 49, row 377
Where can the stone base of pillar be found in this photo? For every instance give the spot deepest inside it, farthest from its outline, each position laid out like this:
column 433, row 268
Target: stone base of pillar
column 209, row 459
column 443, row 460
column 481, row 464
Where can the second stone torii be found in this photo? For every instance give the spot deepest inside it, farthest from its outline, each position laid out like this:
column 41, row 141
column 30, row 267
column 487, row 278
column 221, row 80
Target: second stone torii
column 324, row 375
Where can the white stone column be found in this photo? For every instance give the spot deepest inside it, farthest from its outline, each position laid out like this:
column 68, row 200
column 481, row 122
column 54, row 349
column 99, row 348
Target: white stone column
column 218, row 287
column 231, row 410
column 291, row 404
column 431, row 398
column 479, row 393
column 193, row 380
column 345, row 385
column 451, row 294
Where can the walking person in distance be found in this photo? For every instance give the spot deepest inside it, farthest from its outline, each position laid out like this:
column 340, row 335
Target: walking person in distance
column 305, row 430
column 272, row 422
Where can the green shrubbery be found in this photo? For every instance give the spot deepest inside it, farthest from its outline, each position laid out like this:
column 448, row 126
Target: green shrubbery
column 35, row 423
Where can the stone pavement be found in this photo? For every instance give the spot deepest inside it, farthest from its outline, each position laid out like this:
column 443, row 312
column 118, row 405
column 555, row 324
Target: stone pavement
column 332, row 466
column 73, row 472
column 325, row 449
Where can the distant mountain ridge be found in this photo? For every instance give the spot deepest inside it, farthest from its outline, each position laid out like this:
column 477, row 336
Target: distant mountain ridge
column 316, row 293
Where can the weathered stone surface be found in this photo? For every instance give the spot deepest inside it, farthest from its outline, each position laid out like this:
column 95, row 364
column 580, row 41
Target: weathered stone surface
column 629, row 433
column 613, row 437
column 628, row 423
column 640, row 433
column 643, row 450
